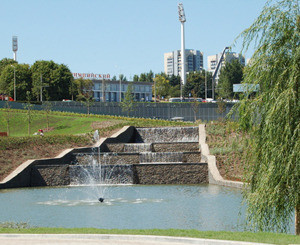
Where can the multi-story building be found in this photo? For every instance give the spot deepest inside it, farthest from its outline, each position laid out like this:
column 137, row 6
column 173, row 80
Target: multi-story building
column 172, row 61
column 110, row 91
column 213, row 60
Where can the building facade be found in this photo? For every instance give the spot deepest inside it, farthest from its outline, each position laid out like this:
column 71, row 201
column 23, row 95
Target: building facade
column 213, row 60
column 114, row 91
column 172, row 61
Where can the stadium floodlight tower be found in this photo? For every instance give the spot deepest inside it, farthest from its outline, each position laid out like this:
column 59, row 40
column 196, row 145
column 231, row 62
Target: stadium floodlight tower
column 15, row 46
column 182, row 19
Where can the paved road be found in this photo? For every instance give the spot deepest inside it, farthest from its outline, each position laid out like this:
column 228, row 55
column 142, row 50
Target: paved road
column 91, row 239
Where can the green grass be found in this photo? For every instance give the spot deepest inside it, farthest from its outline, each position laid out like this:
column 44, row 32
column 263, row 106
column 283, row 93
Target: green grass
column 273, row 238
column 70, row 123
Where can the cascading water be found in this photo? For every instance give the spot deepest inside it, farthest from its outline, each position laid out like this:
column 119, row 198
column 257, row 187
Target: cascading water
column 161, row 157
column 138, row 147
column 97, row 171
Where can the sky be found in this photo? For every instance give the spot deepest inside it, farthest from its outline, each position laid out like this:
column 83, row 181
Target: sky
column 120, row 36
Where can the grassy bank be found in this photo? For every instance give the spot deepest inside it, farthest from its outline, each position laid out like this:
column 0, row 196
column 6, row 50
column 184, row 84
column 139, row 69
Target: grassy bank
column 229, row 144
column 222, row 235
column 70, row 123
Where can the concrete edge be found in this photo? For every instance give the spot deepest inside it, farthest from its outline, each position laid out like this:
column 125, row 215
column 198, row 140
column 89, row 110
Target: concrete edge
column 213, row 172
column 65, row 152
column 120, row 238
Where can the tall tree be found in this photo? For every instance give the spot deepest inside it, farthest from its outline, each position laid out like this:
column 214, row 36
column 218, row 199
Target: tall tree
column 22, row 81
column 272, row 117
column 231, row 73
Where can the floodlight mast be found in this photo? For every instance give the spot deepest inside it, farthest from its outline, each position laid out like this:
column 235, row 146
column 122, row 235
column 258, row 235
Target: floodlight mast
column 15, row 46
column 182, row 19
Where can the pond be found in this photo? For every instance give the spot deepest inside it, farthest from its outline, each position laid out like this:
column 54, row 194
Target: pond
column 201, row 207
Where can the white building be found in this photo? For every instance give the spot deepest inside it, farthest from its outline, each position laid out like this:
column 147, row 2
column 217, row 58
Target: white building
column 109, row 91
column 172, row 61
column 213, row 60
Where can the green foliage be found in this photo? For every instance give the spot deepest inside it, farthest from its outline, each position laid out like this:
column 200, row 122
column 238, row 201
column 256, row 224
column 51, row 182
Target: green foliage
column 5, row 62
column 23, row 80
column 122, row 77
column 231, row 73
column 161, row 86
column 127, row 103
column 196, row 82
column 85, row 93
column 56, row 78
column 135, row 78
column 195, row 105
column 272, row 117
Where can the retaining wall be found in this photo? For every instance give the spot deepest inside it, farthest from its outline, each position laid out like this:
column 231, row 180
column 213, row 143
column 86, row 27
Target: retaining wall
column 150, row 174
column 55, row 171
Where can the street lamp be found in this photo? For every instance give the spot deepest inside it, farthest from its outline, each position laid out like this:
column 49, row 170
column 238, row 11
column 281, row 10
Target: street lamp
column 15, row 93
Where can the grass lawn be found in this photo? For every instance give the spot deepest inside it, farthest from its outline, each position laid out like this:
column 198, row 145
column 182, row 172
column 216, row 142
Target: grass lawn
column 71, row 123
column 272, row 238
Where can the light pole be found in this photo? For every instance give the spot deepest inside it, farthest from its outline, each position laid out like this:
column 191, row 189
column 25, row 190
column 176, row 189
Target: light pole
column 182, row 19
column 15, row 93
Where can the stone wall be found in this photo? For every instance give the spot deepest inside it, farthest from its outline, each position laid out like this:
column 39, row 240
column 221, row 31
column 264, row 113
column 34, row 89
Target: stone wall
column 166, row 134
column 50, row 175
column 151, row 174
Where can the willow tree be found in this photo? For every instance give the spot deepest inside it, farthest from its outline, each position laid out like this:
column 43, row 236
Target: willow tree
column 272, row 117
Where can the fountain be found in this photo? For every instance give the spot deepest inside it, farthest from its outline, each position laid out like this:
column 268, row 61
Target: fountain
column 95, row 170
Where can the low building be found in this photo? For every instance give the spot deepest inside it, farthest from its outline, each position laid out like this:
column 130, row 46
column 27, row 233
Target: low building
column 114, row 91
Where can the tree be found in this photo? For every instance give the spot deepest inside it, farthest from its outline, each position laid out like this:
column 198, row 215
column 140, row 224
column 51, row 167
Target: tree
column 174, row 80
column 28, row 107
column 5, row 62
column 143, row 77
column 162, row 86
column 127, row 103
column 231, row 73
column 122, row 78
column 149, row 76
column 272, row 117
column 195, row 105
column 23, row 80
column 85, row 92
column 57, row 78
column 195, row 82
column 61, row 80
column 47, row 106
column 135, row 78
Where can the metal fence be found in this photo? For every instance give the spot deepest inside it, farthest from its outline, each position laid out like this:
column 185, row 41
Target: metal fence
column 168, row 111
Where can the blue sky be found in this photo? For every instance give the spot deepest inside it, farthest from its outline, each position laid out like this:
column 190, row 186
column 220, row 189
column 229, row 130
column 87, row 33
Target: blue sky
column 119, row 36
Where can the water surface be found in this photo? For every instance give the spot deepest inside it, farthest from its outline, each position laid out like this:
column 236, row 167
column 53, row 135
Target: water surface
column 201, row 207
